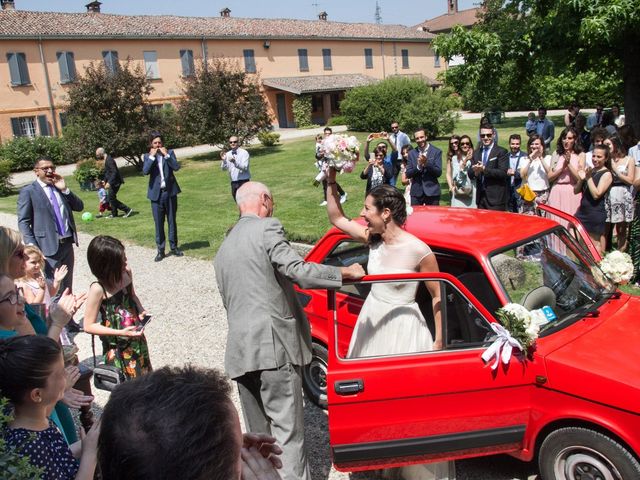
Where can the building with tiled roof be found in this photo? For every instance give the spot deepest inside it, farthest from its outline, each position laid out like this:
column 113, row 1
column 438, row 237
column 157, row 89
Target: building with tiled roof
column 42, row 53
column 443, row 23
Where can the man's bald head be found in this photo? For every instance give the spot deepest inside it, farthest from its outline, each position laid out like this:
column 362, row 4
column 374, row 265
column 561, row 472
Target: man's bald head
column 254, row 198
column 100, row 153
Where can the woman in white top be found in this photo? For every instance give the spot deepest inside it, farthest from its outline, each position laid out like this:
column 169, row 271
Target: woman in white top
column 535, row 172
column 619, row 201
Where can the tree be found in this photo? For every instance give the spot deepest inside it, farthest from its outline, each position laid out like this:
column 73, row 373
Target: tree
column 220, row 100
column 521, row 45
column 111, row 110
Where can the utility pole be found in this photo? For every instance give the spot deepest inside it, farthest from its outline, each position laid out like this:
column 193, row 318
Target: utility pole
column 378, row 14
column 316, row 4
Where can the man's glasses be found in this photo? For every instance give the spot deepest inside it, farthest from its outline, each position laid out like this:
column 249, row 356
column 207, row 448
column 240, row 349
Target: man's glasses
column 486, row 135
column 46, row 169
column 395, row 127
column 14, row 297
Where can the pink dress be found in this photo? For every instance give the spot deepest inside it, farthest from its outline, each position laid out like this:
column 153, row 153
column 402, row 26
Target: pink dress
column 561, row 195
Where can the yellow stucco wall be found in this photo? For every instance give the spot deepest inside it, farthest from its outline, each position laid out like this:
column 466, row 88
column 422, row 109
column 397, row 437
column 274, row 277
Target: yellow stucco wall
column 279, row 60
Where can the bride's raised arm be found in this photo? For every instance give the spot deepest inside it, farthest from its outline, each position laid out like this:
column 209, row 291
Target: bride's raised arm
column 336, row 215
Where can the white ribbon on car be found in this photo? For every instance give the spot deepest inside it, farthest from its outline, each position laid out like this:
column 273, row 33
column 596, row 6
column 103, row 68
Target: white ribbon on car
column 502, row 346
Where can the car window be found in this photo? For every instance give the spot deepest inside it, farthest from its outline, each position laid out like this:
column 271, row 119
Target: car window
column 398, row 318
column 345, row 253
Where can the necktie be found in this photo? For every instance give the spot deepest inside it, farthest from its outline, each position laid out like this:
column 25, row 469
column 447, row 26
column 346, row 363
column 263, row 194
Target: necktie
column 485, row 156
column 56, row 210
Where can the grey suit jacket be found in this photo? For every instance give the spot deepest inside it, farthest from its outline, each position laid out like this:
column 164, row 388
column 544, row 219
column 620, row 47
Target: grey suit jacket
column 255, row 270
column 37, row 222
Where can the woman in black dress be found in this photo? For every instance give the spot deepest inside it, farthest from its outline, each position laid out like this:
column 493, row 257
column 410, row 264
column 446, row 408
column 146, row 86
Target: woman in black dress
column 594, row 184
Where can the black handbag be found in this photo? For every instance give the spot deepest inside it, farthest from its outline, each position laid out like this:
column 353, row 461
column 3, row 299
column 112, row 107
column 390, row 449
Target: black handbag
column 106, row 377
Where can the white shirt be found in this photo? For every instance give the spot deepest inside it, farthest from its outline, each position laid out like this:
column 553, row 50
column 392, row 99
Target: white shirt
column 239, row 169
column 161, row 159
column 63, row 211
column 535, row 173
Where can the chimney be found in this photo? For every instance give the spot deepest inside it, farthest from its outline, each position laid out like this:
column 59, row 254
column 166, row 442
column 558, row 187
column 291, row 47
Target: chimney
column 8, row 4
column 93, row 7
column 322, row 16
column 452, row 6
column 225, row 13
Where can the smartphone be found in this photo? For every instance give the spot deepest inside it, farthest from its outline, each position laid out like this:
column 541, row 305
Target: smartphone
column 143, row 323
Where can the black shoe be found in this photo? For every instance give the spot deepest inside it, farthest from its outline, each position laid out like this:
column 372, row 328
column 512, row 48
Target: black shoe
column 176, row 252
column 159, row 256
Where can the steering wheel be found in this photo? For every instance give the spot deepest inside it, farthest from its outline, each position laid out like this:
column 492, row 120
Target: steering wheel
column 561, row 284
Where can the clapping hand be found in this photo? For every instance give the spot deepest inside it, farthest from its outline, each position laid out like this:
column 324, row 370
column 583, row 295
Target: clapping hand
column 75, row 398
column 62, row 311
column 60, row 273
column 260, row 457
column 42, row 283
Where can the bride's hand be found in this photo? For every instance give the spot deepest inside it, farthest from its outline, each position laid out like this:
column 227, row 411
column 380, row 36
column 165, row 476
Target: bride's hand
column 437, row 344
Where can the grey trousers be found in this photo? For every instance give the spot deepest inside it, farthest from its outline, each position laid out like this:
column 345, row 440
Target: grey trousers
column 272, row 403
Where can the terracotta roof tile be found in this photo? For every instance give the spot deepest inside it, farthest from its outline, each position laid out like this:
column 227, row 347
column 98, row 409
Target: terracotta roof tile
column 443, row 23
column 26, row 24
column 318, row 83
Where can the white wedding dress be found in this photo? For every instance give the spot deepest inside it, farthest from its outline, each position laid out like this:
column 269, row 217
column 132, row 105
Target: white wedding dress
column 390, row 320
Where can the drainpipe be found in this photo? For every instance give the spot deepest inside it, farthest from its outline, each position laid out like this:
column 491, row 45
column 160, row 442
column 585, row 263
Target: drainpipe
column 48, row 85
column 384, row 70
column 204, row 53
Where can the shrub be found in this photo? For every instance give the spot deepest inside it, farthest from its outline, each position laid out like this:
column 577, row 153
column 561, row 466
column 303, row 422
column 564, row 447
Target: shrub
column 337, row 120
column 22, row 152
column 268, row 139
column 5, row 174
column 429, row 111
column 87, row 172
column 372, row 108
column 302, row 107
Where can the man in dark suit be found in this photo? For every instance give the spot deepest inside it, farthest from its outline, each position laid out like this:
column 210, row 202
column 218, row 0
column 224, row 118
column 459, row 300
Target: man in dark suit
column 113, row 181
column 489, row 167
column 269, row 339
column 163, row 191
column 423, row 168
column 45, row 219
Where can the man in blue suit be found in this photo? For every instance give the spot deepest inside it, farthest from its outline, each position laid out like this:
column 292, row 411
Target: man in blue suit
column 423, row 168
column 45, row 219
column 163, row 191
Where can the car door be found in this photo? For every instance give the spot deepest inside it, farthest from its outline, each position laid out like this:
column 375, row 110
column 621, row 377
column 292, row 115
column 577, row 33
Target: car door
column 575, row 228
column 393, row 410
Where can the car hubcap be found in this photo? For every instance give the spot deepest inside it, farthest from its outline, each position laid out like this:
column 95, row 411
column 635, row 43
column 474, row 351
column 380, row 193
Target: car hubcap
column 581, row 463
column 318, row 375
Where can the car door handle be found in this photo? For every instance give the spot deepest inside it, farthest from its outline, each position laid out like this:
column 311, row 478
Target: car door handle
column 349, row 387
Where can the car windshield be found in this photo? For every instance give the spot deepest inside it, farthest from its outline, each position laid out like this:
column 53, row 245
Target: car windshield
column 552, row 272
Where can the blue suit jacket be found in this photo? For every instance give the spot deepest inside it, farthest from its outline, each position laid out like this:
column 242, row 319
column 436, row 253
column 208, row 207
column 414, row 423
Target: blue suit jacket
column 170, row 165
column 37, row 221
column 425, row 181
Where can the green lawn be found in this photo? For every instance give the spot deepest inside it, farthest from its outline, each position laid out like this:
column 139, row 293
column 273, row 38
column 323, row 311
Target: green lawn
column 206, row 209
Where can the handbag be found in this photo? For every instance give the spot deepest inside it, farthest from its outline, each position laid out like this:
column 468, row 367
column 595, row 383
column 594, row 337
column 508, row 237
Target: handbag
column 526, row 193
column 463, row 185
column 106, row 377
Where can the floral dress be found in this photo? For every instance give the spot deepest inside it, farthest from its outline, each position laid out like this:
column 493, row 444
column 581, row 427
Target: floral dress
column 130, row 354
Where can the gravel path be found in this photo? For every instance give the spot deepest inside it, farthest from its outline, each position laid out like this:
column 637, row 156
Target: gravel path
column 189, row 326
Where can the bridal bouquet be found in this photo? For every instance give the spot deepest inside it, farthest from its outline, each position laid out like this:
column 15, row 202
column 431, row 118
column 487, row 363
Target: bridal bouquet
column 341, row 152
column 618, row 266
column 519, row 330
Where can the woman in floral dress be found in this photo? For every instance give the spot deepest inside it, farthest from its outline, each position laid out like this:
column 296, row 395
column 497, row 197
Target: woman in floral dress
column 114, row 298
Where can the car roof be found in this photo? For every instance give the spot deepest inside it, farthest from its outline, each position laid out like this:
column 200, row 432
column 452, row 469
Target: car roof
column 471, row 229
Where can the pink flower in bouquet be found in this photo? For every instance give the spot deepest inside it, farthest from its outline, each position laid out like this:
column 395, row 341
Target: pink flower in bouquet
column 341, row 151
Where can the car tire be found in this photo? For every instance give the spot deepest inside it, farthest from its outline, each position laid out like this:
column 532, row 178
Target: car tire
column 314, row 376
column 573, row 453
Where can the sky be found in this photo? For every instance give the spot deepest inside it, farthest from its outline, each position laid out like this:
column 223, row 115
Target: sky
column 405, row 12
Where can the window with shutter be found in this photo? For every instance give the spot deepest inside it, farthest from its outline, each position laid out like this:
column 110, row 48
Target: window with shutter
column 67, row 66
column 18, row 68
column 405, row 58
column 151, row 64
column 110, row 58
column 303, row 59
column 326, row 58
column 368, row 58
column 249, row 61
column 186, row 58
column 43, row 126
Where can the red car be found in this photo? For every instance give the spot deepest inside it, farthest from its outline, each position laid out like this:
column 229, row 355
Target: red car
column 575, row 402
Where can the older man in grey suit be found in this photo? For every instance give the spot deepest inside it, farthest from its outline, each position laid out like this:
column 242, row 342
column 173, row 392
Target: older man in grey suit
column 269, row 337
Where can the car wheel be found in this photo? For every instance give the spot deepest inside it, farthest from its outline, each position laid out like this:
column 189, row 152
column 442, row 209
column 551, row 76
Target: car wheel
column 315, row 376
column 574, row 453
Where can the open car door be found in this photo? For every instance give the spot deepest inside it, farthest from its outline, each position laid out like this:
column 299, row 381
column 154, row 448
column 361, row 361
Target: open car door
column 390, row 410
column 575, row 228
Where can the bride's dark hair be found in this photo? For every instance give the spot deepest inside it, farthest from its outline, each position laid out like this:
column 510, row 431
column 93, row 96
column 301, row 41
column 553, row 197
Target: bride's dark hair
column 386, row 196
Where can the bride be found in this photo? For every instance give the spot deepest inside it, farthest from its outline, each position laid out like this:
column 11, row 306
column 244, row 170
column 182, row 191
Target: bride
column 390, row 320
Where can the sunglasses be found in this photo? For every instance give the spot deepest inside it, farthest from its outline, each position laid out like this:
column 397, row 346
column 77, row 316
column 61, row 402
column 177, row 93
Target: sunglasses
column 486, row 135
column 14, row 297
column 462, row 144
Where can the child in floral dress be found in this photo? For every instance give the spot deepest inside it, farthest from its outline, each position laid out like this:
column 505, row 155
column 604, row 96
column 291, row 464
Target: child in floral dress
column 113, row 296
